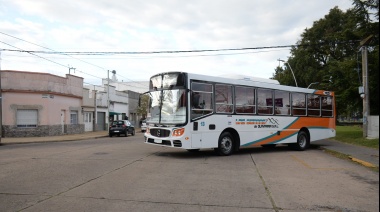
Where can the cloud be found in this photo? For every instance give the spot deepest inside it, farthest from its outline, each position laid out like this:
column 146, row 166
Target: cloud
column 150, row 25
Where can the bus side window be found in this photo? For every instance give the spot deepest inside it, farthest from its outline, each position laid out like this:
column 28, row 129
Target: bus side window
column 282, row 104
column 327, row 107
column 245, row 100
column 265, row 101
column 195, row 102
column 298, row 104
column 223, row 98
column 201, row 99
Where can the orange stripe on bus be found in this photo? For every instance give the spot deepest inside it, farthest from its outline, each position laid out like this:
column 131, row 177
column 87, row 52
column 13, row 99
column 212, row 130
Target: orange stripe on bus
column 294, row 128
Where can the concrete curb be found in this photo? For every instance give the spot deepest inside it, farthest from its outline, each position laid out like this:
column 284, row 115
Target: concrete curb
column 60, row 140
column 362, row 162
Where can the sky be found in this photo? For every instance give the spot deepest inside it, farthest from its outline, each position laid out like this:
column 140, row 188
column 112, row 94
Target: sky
column 141, row 26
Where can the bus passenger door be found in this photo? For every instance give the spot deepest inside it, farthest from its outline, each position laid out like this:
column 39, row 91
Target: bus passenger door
column 196, row 137
column 196, row 140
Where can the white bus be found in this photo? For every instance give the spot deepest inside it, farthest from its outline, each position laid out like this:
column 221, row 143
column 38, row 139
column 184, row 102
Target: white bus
column 194, row 112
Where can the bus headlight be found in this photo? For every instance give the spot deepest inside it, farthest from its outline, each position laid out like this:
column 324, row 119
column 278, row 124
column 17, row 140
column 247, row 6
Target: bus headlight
column 178, row 132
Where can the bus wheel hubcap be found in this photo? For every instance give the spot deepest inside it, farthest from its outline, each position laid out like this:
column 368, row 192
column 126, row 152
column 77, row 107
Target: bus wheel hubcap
column 302, row 141
column 226, row 144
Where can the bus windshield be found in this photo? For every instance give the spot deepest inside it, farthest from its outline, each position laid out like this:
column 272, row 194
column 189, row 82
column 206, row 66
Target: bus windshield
column 167, row 107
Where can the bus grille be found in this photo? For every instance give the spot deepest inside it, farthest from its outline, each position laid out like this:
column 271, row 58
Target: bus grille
column 160, row 132
column 177, row 143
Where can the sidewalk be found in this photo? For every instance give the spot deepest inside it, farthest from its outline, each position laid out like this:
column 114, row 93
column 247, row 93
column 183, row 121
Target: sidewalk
column 366, row 156
column 73, row 137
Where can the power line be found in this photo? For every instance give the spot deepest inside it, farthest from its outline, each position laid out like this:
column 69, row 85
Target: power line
column 50, row 49
column 48, row 59
column 21, row 50
column 154, row 57
column 34, row 53
column 183, row 51
column 56, row 51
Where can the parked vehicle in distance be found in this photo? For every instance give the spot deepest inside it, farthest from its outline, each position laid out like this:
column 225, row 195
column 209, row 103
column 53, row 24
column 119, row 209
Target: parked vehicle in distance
column 121, row 127
column 143, row 125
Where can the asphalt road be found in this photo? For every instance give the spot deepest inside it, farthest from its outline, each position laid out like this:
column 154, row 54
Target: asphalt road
column 124, row 174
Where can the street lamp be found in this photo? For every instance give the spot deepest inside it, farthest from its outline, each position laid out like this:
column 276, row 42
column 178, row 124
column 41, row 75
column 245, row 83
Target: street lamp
column 290, row 70
column 313, row 83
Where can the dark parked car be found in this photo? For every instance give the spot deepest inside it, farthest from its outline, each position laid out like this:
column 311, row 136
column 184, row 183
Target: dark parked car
column 121, row 127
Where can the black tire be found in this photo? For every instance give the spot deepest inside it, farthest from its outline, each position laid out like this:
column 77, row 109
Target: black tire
column 225, row 144
column 133, row 132
column 303, row 141
column 126, row 133
column 110, row 135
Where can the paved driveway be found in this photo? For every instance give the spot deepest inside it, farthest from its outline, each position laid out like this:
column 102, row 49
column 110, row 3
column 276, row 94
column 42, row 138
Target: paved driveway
column 124, row 174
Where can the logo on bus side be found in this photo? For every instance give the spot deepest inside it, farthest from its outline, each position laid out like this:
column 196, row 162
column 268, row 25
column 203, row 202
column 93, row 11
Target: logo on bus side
column 259, row 123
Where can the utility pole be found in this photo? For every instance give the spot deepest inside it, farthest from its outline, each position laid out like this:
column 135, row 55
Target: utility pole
column 366, row 107
column 1, row 105
column 108, row 97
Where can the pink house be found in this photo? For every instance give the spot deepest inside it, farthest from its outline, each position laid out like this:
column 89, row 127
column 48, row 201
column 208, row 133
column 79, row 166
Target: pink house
column 41, row 104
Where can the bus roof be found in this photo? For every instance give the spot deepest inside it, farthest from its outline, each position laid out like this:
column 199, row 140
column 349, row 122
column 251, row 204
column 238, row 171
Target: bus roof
column 249, row 78
column 253, row 81
column 242, row 80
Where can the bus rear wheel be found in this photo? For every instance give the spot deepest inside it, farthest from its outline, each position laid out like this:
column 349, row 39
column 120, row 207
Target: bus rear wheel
column 225, row 144
column 303, row 141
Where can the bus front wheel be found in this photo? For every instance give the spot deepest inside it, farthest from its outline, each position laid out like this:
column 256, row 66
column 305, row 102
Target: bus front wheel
column 225, row 144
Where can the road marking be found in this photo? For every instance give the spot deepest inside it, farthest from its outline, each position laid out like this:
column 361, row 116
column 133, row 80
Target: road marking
column 310, row 167
column 301, row 161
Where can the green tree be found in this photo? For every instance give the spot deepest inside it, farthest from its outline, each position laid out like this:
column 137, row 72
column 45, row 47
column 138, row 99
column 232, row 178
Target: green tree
column 142, row 109
column 328, row 53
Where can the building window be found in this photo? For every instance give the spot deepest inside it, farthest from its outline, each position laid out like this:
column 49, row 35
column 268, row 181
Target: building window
column 73, row 117
column 27, row 118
